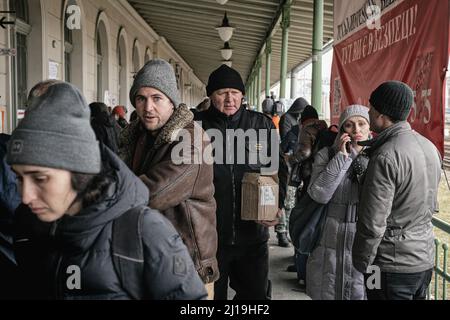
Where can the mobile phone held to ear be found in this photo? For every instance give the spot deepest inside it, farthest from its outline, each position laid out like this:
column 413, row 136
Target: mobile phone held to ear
column 347, row 146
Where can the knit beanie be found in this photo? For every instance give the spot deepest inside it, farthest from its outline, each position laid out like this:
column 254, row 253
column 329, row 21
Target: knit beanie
column 354, row 110
column 309, row 113
column 298, row 106
column 56, row 133
column 157, row 74
column 267, row 105
column 224, row 77
column 393, row 98
column 119, row 110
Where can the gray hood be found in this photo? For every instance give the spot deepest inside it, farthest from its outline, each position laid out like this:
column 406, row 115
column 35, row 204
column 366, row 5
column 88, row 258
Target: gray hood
column 127, row 191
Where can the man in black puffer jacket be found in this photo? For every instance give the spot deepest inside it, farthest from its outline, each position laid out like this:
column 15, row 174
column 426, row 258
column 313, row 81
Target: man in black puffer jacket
column 242, row 251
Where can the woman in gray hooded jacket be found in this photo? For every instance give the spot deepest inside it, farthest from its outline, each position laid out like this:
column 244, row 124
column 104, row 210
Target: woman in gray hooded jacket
column 73, row 193
column 330, row 274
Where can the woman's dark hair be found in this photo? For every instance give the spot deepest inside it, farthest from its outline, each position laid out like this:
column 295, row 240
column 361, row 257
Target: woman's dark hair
column 90, row 188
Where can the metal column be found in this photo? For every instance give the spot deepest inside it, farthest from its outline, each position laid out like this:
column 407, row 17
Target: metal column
column 317, row 57
column 258, row 81
column 249, row 92
column 285, row 23
column 293, row 83
column 268, row 57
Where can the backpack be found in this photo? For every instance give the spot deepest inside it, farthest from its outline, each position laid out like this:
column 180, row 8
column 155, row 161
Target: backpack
column 306, row 220
column 278, row 108
column 127, row 251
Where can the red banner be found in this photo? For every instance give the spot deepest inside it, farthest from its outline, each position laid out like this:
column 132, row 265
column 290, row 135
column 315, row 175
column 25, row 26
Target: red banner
column 380, row 40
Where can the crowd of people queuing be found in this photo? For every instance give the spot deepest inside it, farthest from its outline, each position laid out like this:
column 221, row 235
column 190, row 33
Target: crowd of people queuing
column 77, row 180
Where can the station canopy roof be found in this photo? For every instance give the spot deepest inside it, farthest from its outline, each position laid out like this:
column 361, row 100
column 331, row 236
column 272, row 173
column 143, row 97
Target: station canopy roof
column 189, row 27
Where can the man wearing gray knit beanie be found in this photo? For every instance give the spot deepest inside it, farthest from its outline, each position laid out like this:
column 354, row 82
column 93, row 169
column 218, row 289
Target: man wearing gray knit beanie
column 183, row 192
column 398, row 199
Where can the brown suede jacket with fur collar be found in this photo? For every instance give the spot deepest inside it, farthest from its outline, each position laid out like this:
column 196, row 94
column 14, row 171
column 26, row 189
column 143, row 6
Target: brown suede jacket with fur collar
column 183, row 192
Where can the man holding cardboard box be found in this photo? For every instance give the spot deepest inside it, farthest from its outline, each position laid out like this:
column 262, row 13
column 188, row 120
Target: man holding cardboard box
column 240, row 138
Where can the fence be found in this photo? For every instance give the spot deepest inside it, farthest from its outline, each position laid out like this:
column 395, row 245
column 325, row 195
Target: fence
column 440, row 274
column 447, row 153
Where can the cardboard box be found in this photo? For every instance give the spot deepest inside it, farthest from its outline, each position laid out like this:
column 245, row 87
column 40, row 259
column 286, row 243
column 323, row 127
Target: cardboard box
column 259, row 197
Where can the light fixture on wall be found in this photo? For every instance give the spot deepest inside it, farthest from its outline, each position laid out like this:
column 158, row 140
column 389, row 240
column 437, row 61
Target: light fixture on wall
column 226, row 51
column 225, row 30
column 221, row 1
column 227, row 63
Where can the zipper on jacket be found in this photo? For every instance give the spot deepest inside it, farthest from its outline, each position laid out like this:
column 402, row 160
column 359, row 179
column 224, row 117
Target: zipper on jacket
column 233, row 182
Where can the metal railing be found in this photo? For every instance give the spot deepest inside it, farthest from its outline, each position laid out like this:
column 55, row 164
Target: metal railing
column 440, row 274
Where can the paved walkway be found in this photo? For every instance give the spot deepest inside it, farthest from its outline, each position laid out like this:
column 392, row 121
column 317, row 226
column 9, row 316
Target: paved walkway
column 284, row 284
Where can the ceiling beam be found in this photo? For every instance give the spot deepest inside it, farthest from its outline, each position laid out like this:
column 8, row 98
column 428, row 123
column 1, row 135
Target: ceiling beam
column 195, row 7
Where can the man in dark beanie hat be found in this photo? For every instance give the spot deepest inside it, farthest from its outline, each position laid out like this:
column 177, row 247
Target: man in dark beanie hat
column 393, row 99
column 224, row 77
column 308, row 113
column 183, row 192
column 243, row 254
column 398, row 199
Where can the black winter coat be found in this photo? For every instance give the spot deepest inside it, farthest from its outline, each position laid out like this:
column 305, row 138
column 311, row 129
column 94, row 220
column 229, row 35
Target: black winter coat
column 45, row 251
column 287, row 122
column 289, row 142
column 228, row 177
column 106, row 130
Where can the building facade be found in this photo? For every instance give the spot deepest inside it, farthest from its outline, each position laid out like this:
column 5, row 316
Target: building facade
column 98, row 45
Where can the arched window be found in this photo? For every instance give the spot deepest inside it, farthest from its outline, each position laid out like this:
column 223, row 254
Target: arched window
column 102, row 60
column 123, row 67
column 27, row 67
column 99, row 69
column 148, row 55
column 68, row 49
column 73, row 43
column 136, row 58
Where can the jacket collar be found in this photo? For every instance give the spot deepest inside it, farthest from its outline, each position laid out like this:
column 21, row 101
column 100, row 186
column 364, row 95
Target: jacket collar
column 386, row 134
column 215, row 113
column 180, row 118
column 128, row 137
